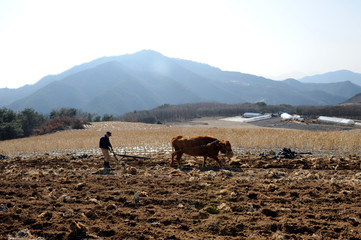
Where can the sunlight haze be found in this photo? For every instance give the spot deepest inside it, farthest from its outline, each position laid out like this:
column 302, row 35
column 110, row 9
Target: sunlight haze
column 276, row 39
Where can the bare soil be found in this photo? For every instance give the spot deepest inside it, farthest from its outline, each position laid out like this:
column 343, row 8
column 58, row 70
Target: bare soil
column 255, row 197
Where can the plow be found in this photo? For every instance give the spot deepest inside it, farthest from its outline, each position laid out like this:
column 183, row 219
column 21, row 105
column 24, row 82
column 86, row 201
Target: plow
column 122, row 163
column 126, row 156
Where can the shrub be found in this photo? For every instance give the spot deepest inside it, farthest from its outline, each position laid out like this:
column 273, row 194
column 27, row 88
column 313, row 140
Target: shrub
column 60, row 123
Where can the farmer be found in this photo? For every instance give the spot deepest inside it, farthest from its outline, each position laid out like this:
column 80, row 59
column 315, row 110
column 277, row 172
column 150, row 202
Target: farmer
column 105, row 146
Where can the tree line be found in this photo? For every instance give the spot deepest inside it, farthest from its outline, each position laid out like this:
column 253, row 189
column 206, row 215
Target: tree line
column 28, row 122
column 185, row 112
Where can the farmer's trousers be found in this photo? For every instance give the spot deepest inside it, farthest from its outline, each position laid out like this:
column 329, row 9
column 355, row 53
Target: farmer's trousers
column 106, row 154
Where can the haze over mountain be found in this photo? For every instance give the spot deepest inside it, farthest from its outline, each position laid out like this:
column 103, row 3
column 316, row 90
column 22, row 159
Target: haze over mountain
column 146, row 79
column 332, row 77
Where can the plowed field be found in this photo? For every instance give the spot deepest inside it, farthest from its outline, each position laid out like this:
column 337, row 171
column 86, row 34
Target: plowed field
column 255, row 197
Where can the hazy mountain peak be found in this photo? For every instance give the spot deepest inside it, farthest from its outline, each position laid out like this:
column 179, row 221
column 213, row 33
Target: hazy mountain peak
column 148, row 52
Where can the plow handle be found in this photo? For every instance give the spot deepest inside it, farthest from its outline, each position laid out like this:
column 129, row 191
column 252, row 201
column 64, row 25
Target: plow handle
column 129, row 156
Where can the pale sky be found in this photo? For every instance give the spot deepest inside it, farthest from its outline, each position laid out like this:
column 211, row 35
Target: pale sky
column 277, row 39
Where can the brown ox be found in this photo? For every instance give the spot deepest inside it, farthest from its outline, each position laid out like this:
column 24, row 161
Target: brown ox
column 205, row 146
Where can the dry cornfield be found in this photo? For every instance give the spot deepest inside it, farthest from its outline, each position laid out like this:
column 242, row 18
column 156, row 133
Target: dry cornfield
column 146, row 139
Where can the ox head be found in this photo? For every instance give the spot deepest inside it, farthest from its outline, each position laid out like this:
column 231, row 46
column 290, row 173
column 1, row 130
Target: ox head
column 225, row 147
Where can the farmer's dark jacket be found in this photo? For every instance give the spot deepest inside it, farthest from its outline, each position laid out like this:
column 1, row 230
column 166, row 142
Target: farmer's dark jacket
column 105, row 143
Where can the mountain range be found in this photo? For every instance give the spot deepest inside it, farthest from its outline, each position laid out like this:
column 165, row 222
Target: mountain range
column 147, row 79
column 333, row 77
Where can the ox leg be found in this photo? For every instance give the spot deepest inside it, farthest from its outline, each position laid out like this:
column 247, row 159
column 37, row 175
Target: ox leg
column 171, row 162
column 173, row 155
column 204, row 161
column 218, row 161
column 179, row 156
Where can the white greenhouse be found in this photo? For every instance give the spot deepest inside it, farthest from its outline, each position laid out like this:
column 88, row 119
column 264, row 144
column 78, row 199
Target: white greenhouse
column 335, row 120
